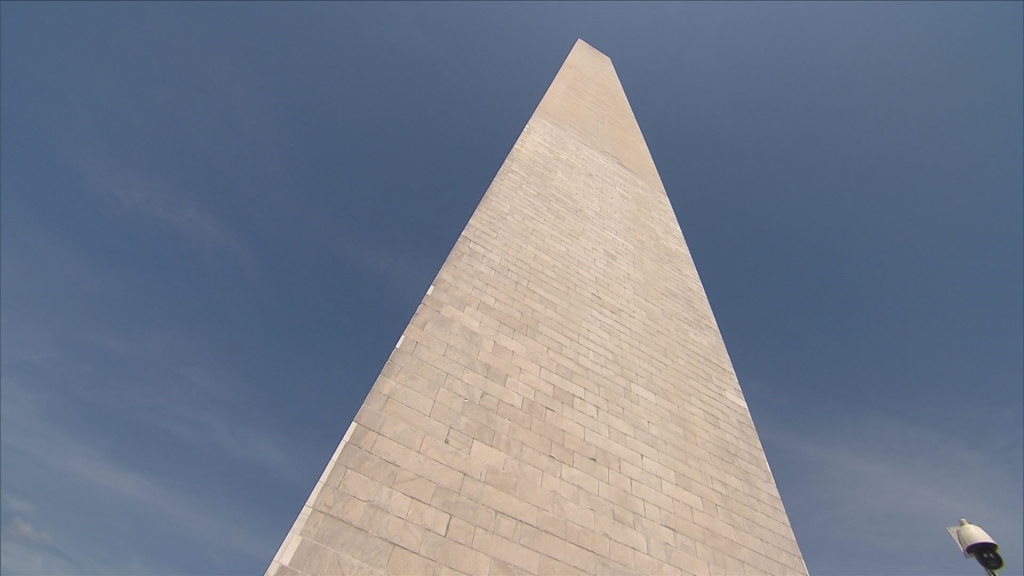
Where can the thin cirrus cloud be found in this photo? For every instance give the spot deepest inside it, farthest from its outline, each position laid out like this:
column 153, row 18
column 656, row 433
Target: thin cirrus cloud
column 25, row 531
column 171, row 207
column 889, row 487
column 20, row 555
column 192, row 402
column 183, row 411
column 36, row 438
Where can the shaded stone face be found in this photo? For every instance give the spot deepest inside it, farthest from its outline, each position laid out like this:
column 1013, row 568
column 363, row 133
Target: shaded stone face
column 562, row 401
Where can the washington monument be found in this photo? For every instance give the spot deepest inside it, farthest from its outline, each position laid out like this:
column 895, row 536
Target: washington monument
column 562, row 401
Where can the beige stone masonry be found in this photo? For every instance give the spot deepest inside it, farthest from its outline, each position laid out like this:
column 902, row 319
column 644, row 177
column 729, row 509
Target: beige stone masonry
column 562, row 401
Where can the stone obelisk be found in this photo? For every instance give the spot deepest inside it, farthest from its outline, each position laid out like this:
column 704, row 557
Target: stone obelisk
column 562, row 401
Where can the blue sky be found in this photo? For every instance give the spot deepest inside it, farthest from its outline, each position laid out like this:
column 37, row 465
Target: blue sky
column 218, row 218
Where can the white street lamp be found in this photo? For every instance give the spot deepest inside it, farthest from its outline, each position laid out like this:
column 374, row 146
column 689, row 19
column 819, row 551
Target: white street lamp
column 975, row 542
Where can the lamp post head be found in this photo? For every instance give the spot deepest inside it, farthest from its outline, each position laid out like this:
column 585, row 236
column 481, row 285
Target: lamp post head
column 975, row 542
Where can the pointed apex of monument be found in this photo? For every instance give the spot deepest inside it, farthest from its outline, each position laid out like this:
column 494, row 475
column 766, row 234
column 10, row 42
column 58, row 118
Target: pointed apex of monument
column 583, row 45
column 587, row 99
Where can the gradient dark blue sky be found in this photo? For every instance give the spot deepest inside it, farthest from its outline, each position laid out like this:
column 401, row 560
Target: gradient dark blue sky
column 218, row 218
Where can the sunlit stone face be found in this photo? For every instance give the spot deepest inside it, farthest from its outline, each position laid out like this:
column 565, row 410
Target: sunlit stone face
column 561, row 401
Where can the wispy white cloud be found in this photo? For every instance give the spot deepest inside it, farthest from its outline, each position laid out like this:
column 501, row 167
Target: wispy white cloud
column 204, row 423
column 193, row 402
column 16, row 504
column 154, row 384
column 32, row 432
column 26, row 531
column 29, row 559
column 166, row 204
column 876, row 486
column 153, row 197
column 32, row 344
column 403, row 270
column 27, row 551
